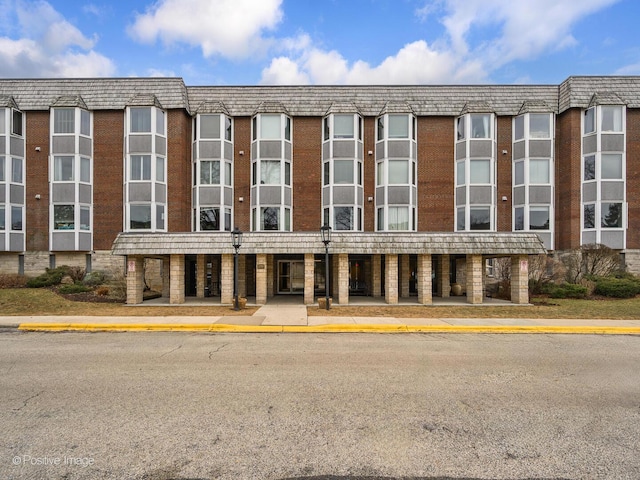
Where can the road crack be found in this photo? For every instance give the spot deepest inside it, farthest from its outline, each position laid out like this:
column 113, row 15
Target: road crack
column 217, row 350
column 171, row 351
column 25, row 402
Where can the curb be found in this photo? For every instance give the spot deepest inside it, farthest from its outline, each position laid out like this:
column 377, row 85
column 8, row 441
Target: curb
column 330, row 328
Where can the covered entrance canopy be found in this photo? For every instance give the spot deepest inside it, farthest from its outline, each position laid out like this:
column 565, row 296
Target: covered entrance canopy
column 173, row 247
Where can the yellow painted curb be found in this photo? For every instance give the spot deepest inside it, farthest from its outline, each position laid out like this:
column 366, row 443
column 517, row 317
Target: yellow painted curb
column 331, row 328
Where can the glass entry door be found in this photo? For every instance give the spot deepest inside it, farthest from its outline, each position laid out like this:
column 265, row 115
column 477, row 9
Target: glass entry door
column 291, row 276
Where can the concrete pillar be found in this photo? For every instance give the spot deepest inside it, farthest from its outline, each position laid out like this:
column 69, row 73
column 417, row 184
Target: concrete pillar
column 475, row 276
column 242, row 275
column 176, row 279
column 261, row 279
column 166, row 277
column 376, row 265
column 226, row 279
column 309, row 278
column 135, row 280
column 201, row 275
column 270, row 279
column 444, row 282
column 405, row 275
column 424, row 279
column 520, row 279
column 391, row 279
column 343, row 278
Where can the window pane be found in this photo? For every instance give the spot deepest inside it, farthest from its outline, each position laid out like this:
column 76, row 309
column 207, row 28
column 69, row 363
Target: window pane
column 227, row 173
column 381, row 225
column 611, row 118
column 460, row 173
column 460, row 128
column 16, row 170
column 3, row 126
column 343, row 126
column 63, row 169
column 538, row 171
column 63, row 120
column 611, row 215
column 227, row 219
column 85, row 123
column 539, row 218
column 380, row 128
column 460, row 220
column 269, row 172
column 398, row 218
column 480, row 218
column 159, row 122
column 63, row 217
column 287, row 173
column 287, row 128
column 325, row 128
column 2, row 174
column 479, row 172
column 16, row 218
column 611, row 166
column 269, row 218
column 209, row 126
column 210, row 172
column 590, row 120
column 589, row 167
column 518, row 128
column 160, row 217
column 159, row 169
column 325, row 173
column 16, row 124
column 398, row 126
column 3, row 224
column 270, row 127
column 85, row 218
column 85, row 170
column 518, row 173
column 227, row 128
column 209, row 219
column 140, row 167
column 589, row 216
column 518, row 221
column 539, row 125
column 380, row 173
column 343, row 171
column 140, row 120
column 480, row 126
column 398, row 172
column 140, row 217
column 343, row 218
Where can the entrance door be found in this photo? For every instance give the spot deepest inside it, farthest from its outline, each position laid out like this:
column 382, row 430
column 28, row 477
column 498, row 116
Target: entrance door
column 291, row 277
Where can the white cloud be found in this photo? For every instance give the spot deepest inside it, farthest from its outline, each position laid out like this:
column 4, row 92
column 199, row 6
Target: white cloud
column 230, row 28
column 633, row 69
column 49, row 46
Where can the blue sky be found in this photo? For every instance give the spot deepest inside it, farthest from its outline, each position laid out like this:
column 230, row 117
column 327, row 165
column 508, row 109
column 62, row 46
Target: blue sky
column 329, row 42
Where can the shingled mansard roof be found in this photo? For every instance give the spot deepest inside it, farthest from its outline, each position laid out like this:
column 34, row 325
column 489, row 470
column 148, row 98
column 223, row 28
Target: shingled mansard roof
column 369, row 100
column 193, row 243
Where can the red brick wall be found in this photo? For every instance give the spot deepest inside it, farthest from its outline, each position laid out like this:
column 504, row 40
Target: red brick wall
column 37, row 181
column 369, row 175
column 108, row 161
column 633, row 177
column 436, row 165
column 242, row 173
column 307, row 174
column 503, row 165
column 567, row 176
column 179, row 171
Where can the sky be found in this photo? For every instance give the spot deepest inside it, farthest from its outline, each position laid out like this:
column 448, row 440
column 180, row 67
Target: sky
column 323, row 42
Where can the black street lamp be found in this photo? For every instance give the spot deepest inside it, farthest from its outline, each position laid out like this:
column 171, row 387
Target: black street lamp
column 236, row 241
column 325, row 230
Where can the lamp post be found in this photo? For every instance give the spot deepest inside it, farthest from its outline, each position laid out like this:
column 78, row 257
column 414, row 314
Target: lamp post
column 236, row 241
column 325, row 230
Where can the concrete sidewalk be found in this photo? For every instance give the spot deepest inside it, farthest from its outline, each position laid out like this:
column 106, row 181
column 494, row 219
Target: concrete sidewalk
column 294, row 318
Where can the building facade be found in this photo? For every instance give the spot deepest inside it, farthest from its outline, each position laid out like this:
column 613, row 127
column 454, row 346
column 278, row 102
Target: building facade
column 421, row 185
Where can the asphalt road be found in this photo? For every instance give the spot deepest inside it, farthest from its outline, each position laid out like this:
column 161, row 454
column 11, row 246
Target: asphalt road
column 160, row 406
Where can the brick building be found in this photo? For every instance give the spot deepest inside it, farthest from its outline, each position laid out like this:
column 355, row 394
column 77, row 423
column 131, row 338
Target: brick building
column 421, row 185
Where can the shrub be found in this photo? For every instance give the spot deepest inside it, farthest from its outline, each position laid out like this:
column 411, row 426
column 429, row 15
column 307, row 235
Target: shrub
column 52, row 276
column 567, row 290
column 74, row 288
column 94, row 278
column 617, row 287
column 13, row 280
column 102, row 291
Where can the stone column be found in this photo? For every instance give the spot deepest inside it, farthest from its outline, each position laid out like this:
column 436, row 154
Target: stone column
column 520, row 279
column 201, row 275
column 176, row 279
column 444, row 282
column 135, row 280
column 405, row 275
column 226, row 279
column 391, row 279
column 424, row 279
column 343, row 278
column 309, row 278
column 261, row 279
column 166, row 277
column 242, row 275
column 376, row 266
column 335, row 284
column 270, row 279
column 475, row 275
